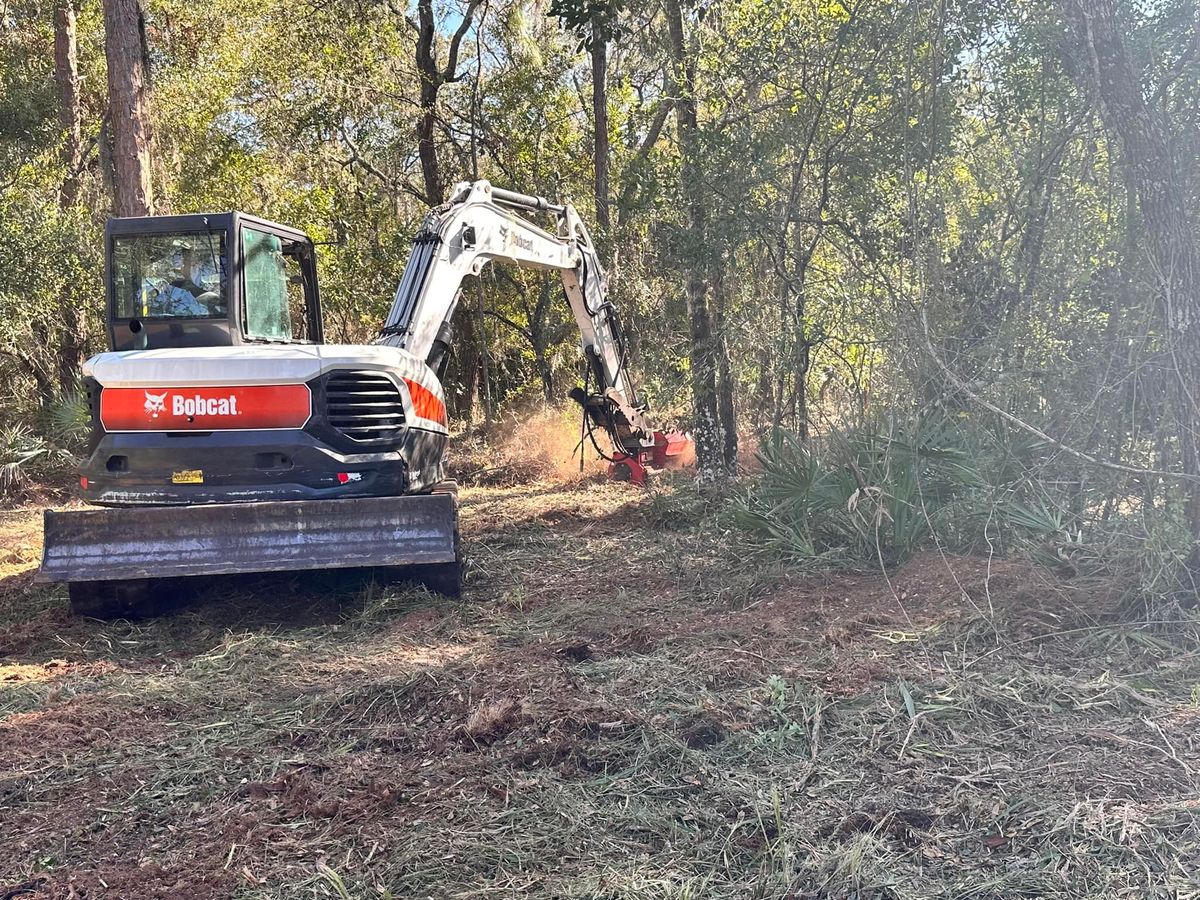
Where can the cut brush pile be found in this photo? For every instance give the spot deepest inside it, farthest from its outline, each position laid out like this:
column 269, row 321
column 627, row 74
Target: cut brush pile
column 629, row 703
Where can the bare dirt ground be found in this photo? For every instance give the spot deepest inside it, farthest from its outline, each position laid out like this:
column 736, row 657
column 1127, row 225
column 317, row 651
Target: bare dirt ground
column 628, row 703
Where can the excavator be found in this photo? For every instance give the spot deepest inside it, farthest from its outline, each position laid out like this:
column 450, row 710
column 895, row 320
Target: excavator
column 228, row 438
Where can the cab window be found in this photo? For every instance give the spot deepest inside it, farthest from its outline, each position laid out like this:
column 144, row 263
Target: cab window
column 275, row 288
column 168, row 275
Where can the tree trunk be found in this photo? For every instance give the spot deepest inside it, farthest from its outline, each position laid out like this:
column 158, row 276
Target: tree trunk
column 783, row 253
column 129, row 107
column 784, row 307
column 707, row 425
column 465, row 372
column 1170, row 230
column 43, row 383
column 541, row 336
column 66, row 79
column 803, row 363
column 545, row 372
column 802, row 257
column 764, row 393
column 71, row 341
column 433, row 76
column 725, row 407
column 431, row 81
column 485, row 374
column 600, row 120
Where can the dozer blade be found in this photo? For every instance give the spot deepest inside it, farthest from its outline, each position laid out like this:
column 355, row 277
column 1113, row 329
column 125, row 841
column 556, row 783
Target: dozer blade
column 233, row 538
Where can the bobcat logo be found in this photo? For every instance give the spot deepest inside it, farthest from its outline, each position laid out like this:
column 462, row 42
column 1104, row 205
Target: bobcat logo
column 156, row 403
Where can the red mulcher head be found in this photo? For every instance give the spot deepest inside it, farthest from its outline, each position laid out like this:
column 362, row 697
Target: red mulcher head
column 673, row 450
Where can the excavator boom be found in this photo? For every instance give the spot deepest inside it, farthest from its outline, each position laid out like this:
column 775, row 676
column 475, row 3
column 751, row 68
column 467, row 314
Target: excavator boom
column 482, row 224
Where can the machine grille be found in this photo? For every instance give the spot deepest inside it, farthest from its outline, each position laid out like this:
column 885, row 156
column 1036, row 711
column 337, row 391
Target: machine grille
column 364, row 406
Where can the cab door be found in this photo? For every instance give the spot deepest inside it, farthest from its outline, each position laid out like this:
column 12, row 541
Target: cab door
column 278, row 280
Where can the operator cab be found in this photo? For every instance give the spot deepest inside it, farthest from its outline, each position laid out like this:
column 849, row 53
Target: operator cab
column 209, row 280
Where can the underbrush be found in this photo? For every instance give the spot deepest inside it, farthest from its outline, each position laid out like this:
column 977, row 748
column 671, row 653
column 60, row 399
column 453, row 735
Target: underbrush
column 40, row 456
column 872, row 497
column 31, row 464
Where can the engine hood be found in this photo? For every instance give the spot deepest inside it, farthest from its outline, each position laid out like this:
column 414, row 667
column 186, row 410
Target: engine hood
column 217, row 366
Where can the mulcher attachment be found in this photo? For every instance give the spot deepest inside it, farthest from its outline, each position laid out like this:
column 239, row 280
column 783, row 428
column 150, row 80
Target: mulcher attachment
column 671, row 450
column 106, row 555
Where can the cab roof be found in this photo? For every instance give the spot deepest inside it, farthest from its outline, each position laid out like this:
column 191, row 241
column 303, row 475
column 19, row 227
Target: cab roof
column 197, row 222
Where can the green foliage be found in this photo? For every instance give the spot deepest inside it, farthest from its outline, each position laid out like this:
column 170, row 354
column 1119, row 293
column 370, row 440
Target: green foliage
column 67, row 421
column 29, row 460
column 50, row 265
column 874, row 495
column 592, row 20
column 792, row 715
column 877, row 494
column 865, row 169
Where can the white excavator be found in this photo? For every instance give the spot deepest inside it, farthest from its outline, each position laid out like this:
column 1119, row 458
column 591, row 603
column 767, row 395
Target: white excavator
column 228, row 438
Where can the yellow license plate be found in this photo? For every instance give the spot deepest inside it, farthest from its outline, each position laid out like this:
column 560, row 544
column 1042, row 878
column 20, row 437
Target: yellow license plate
column 188, row 476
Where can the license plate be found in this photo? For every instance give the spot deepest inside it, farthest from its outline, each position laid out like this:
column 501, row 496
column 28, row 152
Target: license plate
column 188, row 476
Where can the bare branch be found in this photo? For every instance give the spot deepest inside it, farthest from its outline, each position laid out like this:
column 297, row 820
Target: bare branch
column 643, row 151
column 450, row 73
column 962, row 386
column 393, row 184
column 524, row 332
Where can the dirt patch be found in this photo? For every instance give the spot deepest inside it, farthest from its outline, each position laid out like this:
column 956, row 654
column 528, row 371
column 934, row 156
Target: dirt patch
column 904, row 825
column 847, row 632
column 91, row 722
column 343, row 795
column 148, row 881
column 574, row 743
column 931, row 588
column 20, row 539
column 703, row 733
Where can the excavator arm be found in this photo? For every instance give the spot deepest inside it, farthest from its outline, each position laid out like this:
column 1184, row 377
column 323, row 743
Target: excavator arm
column 481, row 224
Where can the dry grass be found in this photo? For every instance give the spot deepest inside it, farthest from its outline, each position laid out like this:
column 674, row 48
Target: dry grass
column 627, row 704
column 20, row 541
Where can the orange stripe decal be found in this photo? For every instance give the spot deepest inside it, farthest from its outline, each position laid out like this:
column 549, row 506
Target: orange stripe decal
column 426, row 404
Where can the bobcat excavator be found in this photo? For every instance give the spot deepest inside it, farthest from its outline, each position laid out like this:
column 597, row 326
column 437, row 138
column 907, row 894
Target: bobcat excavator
column 228, row 438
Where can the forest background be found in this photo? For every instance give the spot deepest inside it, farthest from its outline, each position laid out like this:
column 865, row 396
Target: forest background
column 937, row 261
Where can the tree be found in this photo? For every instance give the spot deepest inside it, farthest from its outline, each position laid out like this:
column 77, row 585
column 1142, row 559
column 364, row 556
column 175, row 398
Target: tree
column 433, row 75
column 596, row 23
column 71, row 342
column 128, row 107
column 712, row 449
column 1106, row 65
column 66, row 78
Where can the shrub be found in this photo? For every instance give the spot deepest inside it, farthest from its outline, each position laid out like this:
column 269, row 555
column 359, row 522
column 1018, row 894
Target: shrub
column 878, row 493
column 28, row 460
